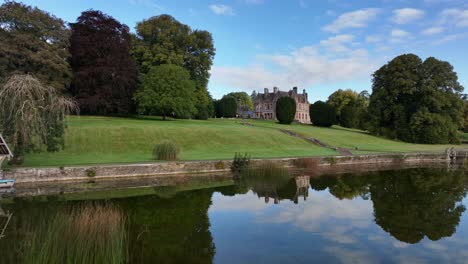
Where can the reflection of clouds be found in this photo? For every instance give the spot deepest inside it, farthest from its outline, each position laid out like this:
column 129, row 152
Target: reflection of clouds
column 409, row 259
column 347, row 225
column 351, row 255
column 321, row 210
column 399, row 244
column 338, row 234
column 435, row 246
column 374, row 237
column 334, row 219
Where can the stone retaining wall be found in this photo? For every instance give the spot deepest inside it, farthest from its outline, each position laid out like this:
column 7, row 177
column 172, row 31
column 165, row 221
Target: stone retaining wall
column 80, row 173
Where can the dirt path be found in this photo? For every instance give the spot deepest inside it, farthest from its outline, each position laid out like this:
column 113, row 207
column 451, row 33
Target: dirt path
column 342, row 151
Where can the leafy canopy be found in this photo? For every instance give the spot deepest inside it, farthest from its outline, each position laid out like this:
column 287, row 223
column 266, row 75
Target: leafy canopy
column 411, row 96
column 33, row 41
column 322, row 114
column 105, row 76
column 166, row 90
column 349, row 107
column 164, row 40
column 243, row 100
column 226, row 107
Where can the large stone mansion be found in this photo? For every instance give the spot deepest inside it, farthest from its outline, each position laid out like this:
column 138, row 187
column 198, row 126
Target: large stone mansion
column 265, row 104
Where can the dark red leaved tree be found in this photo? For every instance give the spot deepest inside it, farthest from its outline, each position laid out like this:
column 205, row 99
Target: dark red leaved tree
column 104, row 74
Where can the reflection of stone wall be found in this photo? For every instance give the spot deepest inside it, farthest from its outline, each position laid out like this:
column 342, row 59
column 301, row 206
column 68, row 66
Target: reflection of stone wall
column 170, row 168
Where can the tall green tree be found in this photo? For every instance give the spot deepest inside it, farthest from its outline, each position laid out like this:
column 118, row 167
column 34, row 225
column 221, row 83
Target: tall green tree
column 322, row 114
column 33, row 41
column 105, row 75
column 285, row 110
column 349, row 106
column 166, row 90
column 227, row 107
column 164, row 40
column 410, row 95
column 244, row 102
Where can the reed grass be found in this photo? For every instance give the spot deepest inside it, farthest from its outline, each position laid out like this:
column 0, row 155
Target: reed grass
column 265, row 176
column 166, row 150
column 89, row 233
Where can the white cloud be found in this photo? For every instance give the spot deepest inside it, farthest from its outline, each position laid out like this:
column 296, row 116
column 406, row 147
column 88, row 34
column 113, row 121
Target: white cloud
column 454, row 16
column 148, row 3
column 254, row 2
column 406, row 15
column 355, row 19
column 222, row 10
column 450, row 38
column 303, row 67
column 432, row 31
column 398, row 33
column 398, row 36
column 373, row 39
column 337, row 44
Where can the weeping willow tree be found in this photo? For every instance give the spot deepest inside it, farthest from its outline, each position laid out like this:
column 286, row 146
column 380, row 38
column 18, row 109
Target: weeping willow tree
column 32, row 115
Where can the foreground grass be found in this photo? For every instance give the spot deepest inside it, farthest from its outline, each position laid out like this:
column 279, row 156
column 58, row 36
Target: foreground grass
column 95, row 140
column 91, row 140
column 86, row 234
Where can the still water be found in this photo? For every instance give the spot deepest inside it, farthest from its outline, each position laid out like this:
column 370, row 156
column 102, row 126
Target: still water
column 399, row 216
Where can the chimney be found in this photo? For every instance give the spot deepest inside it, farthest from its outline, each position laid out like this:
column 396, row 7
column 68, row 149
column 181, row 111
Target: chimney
column 265, row 90
column 275, row 89
column 295, row 90
column 303, row 91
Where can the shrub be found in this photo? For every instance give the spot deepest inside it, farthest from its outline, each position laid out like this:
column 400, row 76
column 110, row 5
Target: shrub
column 322, row 114
column 219, row 165
column 330, row 160
column 240, row 162
column 285, row 110
column 91, row 172
column 166, row 150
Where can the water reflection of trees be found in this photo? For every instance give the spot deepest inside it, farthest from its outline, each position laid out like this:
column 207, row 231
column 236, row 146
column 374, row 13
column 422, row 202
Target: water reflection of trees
column 409, row 204
column 160, row 230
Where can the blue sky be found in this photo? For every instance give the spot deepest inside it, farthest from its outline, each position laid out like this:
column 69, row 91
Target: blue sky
column 316, row 45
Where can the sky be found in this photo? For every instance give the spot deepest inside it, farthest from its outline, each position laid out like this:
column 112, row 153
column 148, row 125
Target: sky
column 317, row 45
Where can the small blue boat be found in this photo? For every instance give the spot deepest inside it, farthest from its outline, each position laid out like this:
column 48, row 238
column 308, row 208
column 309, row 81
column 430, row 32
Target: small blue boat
column 7, row 183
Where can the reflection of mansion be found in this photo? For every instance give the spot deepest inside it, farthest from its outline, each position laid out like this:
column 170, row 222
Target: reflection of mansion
column 265, row 104
column 302, row 184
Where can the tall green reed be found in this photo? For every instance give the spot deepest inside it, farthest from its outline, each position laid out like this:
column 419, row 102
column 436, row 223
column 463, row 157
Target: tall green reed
column 90, row 233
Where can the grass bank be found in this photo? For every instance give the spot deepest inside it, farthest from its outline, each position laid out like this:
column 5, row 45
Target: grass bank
column 97, row 140
column 359, row 142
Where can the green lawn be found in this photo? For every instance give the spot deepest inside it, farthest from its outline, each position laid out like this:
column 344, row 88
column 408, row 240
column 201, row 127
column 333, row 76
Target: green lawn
column 92, row 140
column 352, row 138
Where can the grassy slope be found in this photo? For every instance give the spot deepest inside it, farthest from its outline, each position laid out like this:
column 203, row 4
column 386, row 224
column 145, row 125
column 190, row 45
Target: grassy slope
column 352, row 138
column 106, row 140
column 92, row 140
